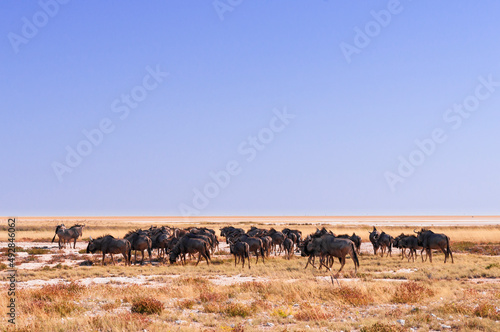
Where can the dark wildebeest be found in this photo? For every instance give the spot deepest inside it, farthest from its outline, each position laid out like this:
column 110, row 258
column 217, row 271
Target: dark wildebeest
column 296, row 232
column 384, row 241
column 430, row 240
column 66, row 235
column 339, row 248
column 258, row 232
column 255, row 245
column 159, row 238
column 231, row 232
column 328, row 245
column 354, row 238
column 278, row 238
column 139, row 240
column 188, row 244
column 310, row 247
column 109, row 245
column 373, row 239
column 288, row 246
column 267, row 242
column 208, row 235
column 410, row 242
column 240, row 250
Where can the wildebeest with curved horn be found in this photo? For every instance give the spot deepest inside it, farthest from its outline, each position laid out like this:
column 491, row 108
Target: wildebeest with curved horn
column 139, row 240
column 68, row 234
column 109, row 245
column 430, row 240
column 188, row 244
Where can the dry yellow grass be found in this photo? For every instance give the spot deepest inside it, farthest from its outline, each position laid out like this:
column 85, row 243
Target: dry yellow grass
column 463, row 295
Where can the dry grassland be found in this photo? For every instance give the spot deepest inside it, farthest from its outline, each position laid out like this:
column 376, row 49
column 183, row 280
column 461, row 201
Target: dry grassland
column 279, row 295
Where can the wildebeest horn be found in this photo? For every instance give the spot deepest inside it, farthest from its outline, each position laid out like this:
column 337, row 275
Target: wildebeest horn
column 90, row 237
column 415, row 231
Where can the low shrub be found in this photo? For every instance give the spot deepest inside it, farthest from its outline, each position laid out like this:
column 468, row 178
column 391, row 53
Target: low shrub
column 411, row 292
column 147, row 305
column 238, row 309
column 352, row 295
column 185, row 304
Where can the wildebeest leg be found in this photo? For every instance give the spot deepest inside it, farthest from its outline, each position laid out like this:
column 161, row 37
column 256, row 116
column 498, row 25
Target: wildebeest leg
column 429, row 254
column 449, row 251
column 205, row 255
column 342, row 263
column 112, row 259
column 235, row 260
column 332, row 277
column 74, row 245
column 199, row 258
column 445, row 253
column 103, row 256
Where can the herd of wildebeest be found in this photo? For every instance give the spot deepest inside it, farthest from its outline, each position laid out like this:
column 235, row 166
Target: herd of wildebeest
column 322, row 244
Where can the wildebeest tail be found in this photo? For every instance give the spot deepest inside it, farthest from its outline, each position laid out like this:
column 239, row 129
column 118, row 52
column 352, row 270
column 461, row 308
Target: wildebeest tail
column 354, row 255
column 129, row 253
column 448, row 250
column 54, row 237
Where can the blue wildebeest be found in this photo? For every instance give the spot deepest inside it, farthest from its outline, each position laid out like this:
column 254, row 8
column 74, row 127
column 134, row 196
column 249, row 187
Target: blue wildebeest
column 139, row 240
column 68, row 234
column 288, row 247
column 255, row 244
column 231, row 232
column 278, row 238
column 384, row 241
column 240, row 250
column 410, row 242
column 109, row 245
column 430, row 240
column 327, row 245
column 373, row 239
column 189, row 244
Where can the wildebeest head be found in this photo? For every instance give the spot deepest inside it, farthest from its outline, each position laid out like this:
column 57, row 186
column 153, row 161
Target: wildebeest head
column 172, row 257
column 91, row 247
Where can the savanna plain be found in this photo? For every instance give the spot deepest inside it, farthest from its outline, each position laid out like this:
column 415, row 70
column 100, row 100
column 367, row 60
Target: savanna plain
column 69, row 290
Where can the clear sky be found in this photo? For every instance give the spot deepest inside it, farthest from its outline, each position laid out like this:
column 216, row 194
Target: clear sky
column 249, row 107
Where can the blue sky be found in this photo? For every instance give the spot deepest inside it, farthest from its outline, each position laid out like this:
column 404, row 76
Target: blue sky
column 264, row 87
